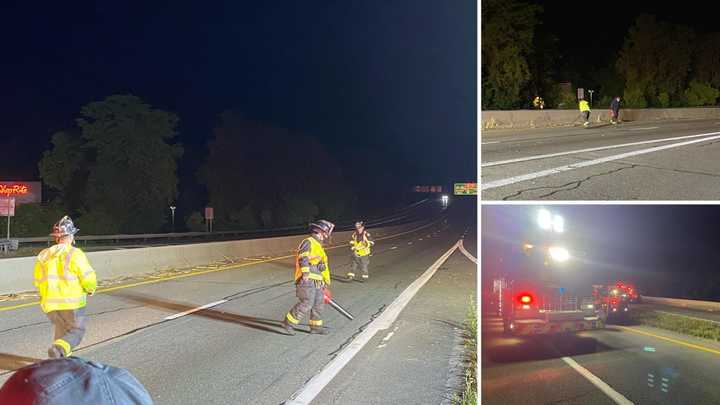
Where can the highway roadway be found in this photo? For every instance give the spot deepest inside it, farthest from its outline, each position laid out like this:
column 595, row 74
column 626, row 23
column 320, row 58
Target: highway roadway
column 659, row 160
column 235, row 352
column 622, row 364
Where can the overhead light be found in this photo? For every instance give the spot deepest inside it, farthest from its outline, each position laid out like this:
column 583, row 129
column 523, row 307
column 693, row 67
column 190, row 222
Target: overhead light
column 545, row 220
column 559, row 254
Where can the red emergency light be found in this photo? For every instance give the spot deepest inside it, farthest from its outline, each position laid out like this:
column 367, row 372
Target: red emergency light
column 525, row 299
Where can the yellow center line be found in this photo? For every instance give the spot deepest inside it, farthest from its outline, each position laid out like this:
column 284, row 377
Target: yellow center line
column 676, row 341
column 198, row 273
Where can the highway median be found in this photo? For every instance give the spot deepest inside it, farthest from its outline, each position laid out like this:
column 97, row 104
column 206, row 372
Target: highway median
column 691, row 326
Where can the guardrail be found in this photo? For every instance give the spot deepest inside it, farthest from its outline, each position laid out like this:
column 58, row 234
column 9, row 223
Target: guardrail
column 401, row 215
column 16, row 274
column 683, row 303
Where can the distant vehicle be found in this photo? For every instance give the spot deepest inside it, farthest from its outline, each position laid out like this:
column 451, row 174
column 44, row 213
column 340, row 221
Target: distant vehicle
column 630, row 290
column 612, row 302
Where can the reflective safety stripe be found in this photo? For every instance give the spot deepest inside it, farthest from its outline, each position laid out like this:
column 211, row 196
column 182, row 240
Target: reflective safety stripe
column 305, row 269
column 68, row 257
column 65, row 346
column 315, row 322
column 65, row 277
column 65, row 300
column 292, row 319
column 315, row 276
column 87, row 273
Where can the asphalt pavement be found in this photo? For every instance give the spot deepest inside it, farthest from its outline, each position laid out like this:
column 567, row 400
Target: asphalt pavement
column 235, row 351
column 621, row 364
column 658, row 160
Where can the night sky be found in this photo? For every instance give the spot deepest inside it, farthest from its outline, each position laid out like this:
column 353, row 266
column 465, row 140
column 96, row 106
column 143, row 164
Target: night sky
column 593, row 33
column 392, row 80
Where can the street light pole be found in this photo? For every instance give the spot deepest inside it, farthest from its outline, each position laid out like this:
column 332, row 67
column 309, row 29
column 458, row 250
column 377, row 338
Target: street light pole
column 591, row 92
column 172, row 209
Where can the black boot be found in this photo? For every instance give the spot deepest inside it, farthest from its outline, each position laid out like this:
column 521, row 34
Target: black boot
column 319, row 331
column 288, row 328
column 56, row 352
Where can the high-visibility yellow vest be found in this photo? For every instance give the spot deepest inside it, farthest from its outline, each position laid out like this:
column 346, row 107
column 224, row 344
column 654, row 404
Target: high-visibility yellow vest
column 312, row 259
column 361, row 246
column 63, row 278
column 584, row 106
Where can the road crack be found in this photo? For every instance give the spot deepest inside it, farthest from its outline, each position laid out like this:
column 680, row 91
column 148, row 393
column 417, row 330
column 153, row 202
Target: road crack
column 682, row 171
column 359, row 331
column 573, row 185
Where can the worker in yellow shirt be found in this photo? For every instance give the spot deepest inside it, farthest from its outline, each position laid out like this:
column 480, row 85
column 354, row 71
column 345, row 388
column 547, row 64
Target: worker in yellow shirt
column 64, row 278
column 585, row 110
column 312, row 275
column 538, row 103
column 360, row 244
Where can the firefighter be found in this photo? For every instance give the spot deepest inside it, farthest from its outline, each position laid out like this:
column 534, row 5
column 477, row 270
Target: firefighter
column 538, row 103
column 615, row 110
column 360, row 244
column 585, row 110
column 64, row 278
column 312, row 275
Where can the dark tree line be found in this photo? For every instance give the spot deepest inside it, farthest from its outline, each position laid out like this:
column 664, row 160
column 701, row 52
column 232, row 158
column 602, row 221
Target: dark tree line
column 116, row 172
column 658, row 65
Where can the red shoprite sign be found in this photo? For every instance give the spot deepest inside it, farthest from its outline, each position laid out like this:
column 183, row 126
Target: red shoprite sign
column 23, row 191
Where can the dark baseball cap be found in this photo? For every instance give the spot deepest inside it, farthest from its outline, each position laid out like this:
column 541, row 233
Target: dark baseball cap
column 73, row 380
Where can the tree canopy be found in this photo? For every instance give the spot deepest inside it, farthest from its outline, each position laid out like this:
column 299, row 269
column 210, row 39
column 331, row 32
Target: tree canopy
column 119, row 174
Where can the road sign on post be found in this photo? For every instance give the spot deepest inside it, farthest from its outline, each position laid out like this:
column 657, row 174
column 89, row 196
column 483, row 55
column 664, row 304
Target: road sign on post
column 7, row 209
column 209, row 216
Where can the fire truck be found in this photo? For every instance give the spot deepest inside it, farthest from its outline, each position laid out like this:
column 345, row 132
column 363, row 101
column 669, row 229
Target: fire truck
column 539, row 290
column 630, row 290
column 612, row 301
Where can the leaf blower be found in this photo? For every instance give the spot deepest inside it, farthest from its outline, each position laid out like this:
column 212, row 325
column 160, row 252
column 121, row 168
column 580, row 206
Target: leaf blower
column 329, row 300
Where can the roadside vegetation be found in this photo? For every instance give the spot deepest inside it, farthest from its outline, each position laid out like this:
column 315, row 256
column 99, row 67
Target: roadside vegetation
column 469, row 395
column 678, row 323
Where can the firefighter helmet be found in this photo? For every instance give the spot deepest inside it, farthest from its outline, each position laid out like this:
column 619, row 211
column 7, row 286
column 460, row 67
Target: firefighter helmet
column 323, row 226
column 64, row 227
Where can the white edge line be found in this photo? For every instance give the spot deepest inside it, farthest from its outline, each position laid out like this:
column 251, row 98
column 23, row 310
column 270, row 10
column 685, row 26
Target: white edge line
column 638, row 129
column 467, row 254
column 525, row 159
column 312, row 388
column 556, row 170
column 206, row 306
column 606, row 389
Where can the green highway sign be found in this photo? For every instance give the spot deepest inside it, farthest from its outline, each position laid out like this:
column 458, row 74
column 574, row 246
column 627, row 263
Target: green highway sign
column 465, row 188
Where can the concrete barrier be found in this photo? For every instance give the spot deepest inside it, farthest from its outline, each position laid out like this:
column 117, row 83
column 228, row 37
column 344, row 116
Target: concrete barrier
column 16, row 274
column 559, row 118
column 682, row 303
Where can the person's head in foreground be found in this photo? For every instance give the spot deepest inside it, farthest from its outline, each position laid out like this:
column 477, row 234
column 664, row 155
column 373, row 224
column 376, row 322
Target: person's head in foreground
column 73, row 381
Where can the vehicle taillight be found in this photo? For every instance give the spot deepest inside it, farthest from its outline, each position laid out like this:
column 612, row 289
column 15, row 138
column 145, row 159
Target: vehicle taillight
column 525, row 299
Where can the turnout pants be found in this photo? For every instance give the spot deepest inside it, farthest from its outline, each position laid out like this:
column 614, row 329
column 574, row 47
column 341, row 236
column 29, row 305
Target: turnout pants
column 360, row 263
column 310, row 294
column 69, row 328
